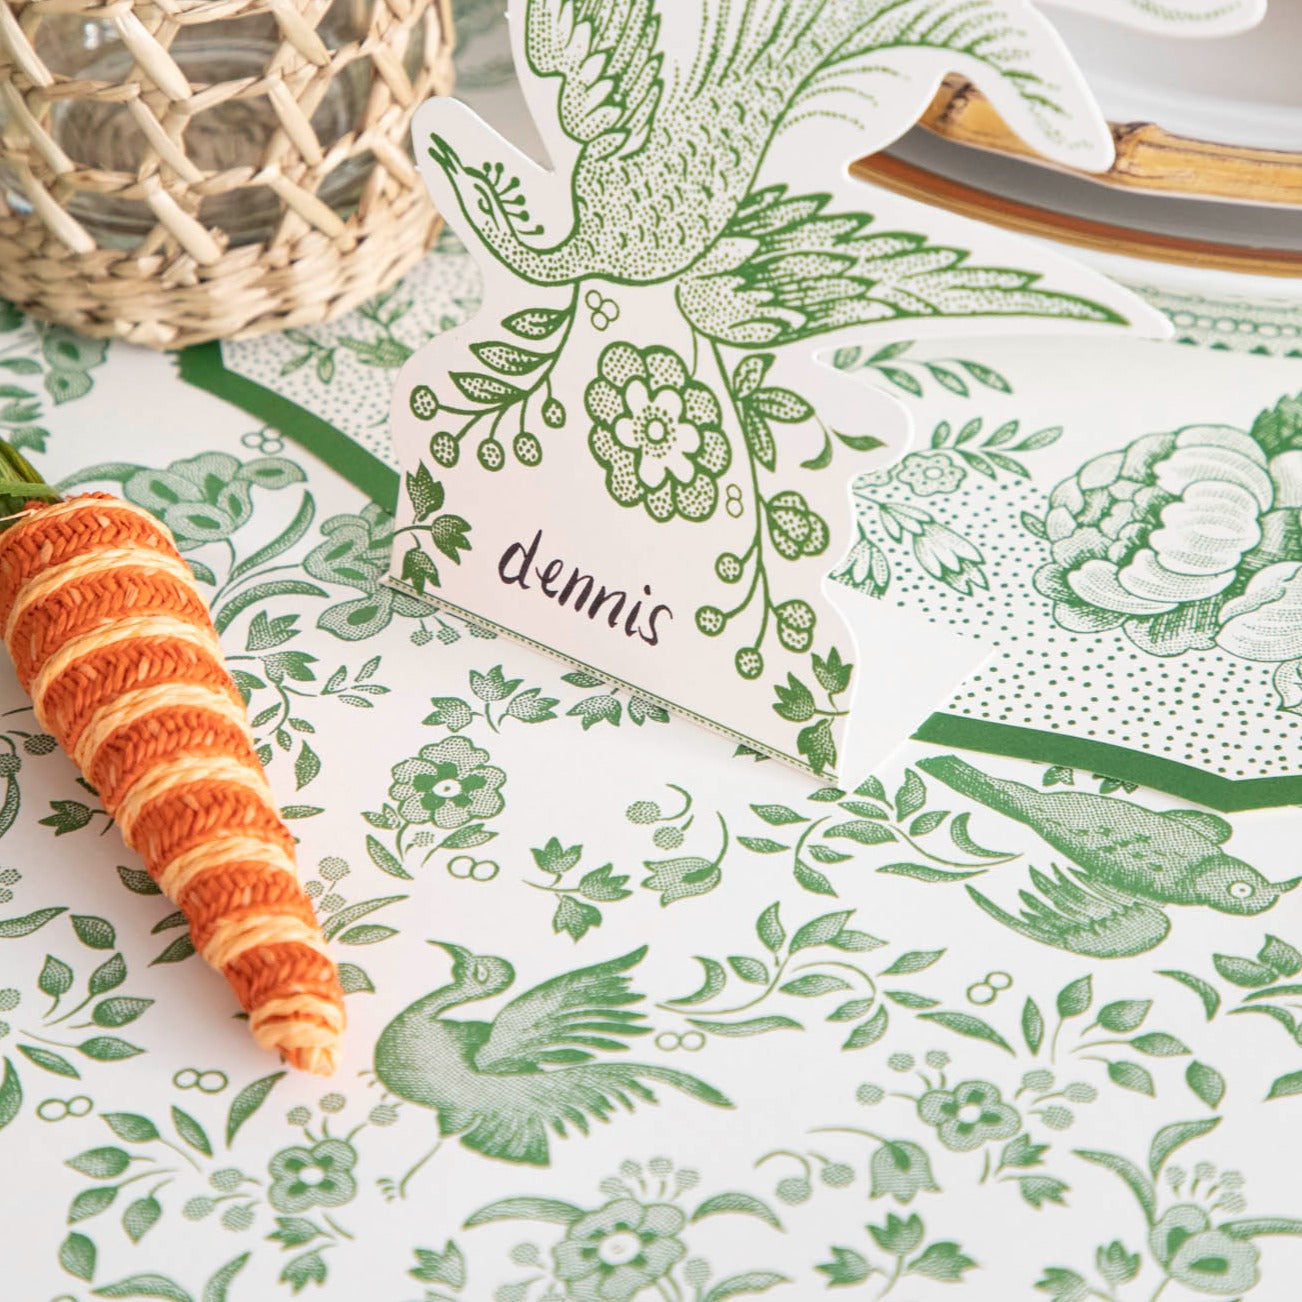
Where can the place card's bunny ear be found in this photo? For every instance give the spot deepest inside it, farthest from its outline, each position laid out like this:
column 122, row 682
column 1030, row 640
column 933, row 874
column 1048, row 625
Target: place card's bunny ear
column 630, row 456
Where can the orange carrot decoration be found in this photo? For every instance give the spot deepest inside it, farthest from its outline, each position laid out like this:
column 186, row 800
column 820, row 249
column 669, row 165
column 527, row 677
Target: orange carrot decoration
column 113, row 641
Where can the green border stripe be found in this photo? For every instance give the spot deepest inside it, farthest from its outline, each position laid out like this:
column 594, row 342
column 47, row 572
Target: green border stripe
column 1230, row 795
column 202, row 365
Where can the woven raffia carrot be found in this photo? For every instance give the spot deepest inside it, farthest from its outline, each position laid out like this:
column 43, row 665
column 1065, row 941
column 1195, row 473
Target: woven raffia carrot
column 113, row 641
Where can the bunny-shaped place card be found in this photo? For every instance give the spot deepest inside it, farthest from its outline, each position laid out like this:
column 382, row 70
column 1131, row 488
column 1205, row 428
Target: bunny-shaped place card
column 631, row 457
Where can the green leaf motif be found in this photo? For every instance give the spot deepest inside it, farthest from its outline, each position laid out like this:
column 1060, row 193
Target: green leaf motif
column 1284, row 1087
column 191, row 1131
column 1134, row 1178
column 574, row 918
column 16, row 928
column 753, row 1281
column 90, row 1202
column 140, row 1217
column 911, row 795
column 49, row 1061
column 740, row 1030
column 1124, row 1015
column 1243, row 971
column 736, row 1203
column 108, row 1048
column 385, row 860
column 1174, row 1136
column 965, row 1024
column 1210, row 996
column 813, row 984
column 715, row 980
column 762, row 844
column 1131, row 1076
column 749, row 969
column 1075, row 997
column 1280, row 956
column 77, row 1257
column 131, row 1126
column 916, row 960
column 549, row 1210
column 1206, row 1082
column 11, row 1095
column 769, row 928
column 354, row 980
column 941, row 1261
column 247, row 1102
column 922, row 872
column 446, row 1267
column 149, row 1285
column 104, row 1163
column 868, row 1032
column 778, row 815
column 55, row 979
column 846, row 1267
column 1158, row 1044
column 820, row 931
column 1032, row 1025
column 96, row 933
column 217, row 1289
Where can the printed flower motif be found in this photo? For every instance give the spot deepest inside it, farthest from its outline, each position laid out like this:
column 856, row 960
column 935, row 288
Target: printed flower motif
column 320, row 1176
column 449, row 783
column 207, row 498
column 901, row 1170
column 1265, row 621
column 657, row 432
column 355, row 551
column 930, row 473
column 1201, row 1258
column 969, row 1115
column 612, row 1254
column 1150, row 538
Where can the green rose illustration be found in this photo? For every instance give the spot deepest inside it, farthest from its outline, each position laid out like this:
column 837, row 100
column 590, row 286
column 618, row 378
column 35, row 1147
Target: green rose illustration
column 1152, row 539
column 1202, row 1258
column 449, row 783
column 207, row 498
column 612, row 1254
column 900, row 1169
column 930, row 473
column 355, row 551
column 320, row 1176
column 657, row 432
column 969, row 1115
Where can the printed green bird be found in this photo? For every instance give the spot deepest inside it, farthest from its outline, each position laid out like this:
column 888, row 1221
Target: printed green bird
column 1129, row 861
column 499, row 1086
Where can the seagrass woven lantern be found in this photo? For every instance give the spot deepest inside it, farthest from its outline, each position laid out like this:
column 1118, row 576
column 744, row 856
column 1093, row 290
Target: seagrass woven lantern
column 173, row 171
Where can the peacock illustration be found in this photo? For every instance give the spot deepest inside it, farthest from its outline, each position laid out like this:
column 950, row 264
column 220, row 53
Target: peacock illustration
column 664, row 184
column 500, row 1086
column 1129, row 862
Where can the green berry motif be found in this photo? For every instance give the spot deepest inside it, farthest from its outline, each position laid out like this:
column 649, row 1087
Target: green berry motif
column 838, row 1174
column 668, row 838
column 41, row 744
column 642, row 811
column 491, row 456
column 794, row 1189
column 422, row 637
column 239, row 1217
column 528, row 451
column 227, row 1179
column 553, row 413
column 197, row 1208
column 424, row 405
column 444, row 449
column 728, row 567
column 749, row 662
column 710, row 620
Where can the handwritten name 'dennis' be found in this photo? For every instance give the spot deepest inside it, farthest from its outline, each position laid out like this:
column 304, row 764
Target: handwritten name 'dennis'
column 582, row 593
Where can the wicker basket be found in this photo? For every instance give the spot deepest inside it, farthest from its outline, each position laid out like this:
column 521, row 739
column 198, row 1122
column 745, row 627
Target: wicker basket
column 173, row 171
